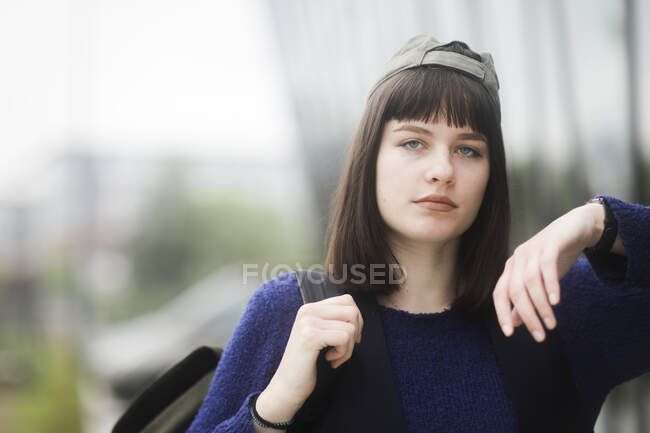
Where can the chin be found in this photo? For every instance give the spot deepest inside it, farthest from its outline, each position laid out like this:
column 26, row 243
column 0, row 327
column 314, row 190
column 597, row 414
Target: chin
column 431, row 236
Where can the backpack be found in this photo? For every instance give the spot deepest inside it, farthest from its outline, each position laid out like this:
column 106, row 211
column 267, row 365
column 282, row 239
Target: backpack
column 170, row 404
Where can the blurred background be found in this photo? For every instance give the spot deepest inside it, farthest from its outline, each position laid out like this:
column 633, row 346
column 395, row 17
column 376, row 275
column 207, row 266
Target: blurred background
column 151, row 148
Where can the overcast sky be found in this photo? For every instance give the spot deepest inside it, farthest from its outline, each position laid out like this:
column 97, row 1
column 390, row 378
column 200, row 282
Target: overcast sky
column 203, row 78
column 142, row 77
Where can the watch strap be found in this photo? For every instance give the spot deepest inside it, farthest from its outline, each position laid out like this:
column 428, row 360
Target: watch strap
column 610, row 230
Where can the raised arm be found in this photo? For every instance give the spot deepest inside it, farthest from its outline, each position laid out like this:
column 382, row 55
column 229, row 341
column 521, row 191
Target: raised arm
column 529, row 284
column 604, row 316
column 603, row 308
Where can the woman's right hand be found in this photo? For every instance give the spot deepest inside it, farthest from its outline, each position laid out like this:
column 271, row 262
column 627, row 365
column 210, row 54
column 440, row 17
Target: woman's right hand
column 335, row 322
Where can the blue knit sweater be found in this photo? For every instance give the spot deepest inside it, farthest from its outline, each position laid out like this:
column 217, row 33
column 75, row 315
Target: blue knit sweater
column 446, row 370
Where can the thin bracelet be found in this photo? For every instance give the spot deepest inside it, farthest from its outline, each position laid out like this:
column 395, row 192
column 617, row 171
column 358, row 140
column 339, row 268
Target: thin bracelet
column 264, row 423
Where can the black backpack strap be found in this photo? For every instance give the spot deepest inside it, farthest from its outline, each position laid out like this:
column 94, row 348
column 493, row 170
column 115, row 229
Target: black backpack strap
column 367, row 393
column 537, row 378
column 171, row 402
column 367, row 397
column 314, row 287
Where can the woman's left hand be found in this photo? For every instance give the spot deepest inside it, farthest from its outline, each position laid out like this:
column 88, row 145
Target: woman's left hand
column 530, row 278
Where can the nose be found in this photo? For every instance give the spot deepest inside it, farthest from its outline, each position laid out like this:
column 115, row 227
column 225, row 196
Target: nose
column 440, row 169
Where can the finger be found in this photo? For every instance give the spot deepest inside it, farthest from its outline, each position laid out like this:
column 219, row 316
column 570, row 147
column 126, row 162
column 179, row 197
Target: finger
column 360, row 326
column 551, row 281
column 346, row 355
column 502, row 302
column 348, row 299
column 528, row 315
column 343, row 299
column 346, row 313
column 336, row 338
column 519, row 297
column 339, row 354
column 537, row 292
column 343, row 326
column 351, row 328
column 516, row 318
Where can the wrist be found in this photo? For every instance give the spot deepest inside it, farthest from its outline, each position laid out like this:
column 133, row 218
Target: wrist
column 596, row 226
column 274, row 406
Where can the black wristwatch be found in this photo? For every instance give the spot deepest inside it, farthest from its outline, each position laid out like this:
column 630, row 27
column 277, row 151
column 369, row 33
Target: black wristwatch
column 610, row 231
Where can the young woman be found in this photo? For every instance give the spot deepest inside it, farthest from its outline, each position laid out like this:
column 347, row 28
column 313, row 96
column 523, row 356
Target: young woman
column 425, row 187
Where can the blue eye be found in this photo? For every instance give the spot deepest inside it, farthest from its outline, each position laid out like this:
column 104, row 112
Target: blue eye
column 406, row 144
column 472, row 154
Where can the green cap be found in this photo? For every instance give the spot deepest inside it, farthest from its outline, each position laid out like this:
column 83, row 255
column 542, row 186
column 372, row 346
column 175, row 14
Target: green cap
column 420, row 51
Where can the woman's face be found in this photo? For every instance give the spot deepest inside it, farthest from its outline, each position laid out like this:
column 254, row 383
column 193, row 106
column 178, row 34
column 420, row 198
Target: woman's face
column 417, row 159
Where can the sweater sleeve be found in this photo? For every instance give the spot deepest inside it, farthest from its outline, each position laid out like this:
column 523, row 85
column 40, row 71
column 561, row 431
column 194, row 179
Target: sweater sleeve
column 250, row 357
column 604, row 310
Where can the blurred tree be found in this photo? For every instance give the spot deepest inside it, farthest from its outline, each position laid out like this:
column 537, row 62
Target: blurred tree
column 49, row 402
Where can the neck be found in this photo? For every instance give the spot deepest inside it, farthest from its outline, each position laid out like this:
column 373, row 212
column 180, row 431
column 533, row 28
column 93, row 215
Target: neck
column 430, row 270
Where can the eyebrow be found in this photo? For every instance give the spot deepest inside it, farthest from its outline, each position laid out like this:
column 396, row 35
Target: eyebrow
column 462, row 136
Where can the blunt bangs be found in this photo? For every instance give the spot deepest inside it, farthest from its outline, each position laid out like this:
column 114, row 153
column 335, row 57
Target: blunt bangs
column 432, row 94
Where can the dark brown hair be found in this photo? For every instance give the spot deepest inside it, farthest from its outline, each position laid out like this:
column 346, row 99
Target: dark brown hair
column 356, row 230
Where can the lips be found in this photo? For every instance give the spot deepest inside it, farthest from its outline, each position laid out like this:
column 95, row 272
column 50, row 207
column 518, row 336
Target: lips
column 436, row 205
column 437, row 199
